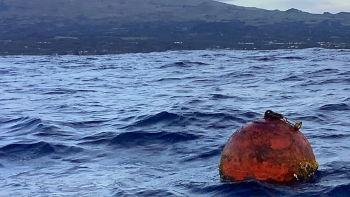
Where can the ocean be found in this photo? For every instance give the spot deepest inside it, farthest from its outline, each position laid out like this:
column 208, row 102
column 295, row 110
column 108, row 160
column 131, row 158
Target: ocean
column 154, row 124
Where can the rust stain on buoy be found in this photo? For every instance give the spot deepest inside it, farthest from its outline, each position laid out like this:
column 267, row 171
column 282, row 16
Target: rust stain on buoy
column 271, row 149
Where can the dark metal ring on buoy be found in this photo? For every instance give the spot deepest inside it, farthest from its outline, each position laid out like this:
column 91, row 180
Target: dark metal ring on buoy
column 273, row 115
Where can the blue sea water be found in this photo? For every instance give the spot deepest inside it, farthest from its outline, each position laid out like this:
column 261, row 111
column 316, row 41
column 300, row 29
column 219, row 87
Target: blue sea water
column 155, row 124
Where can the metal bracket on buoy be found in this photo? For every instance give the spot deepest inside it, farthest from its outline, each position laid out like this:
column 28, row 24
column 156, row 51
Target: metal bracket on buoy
column 273, row 115
column 295, row 124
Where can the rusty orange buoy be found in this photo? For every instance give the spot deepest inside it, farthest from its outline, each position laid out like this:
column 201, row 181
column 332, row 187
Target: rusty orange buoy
column 271, row 149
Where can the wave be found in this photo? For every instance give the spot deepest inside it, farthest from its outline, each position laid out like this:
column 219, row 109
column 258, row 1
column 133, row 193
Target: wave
column 139, row 138
column 324, row 82
column 293, row 58
column 27, row 125
column 85, row 124
column 5, row 71
column 292, row 78
column 335, row 107
column 274, row 58
column 322, row 72
column 237, row 116
column 183, row 64
column 169, row 79
column 101, row 138
column 164, row 118
column 146, row 192
column 173, row 79
column 339, row 171
column 319, row 118
column 239, row 75
column 339, row 191
column 335, row 168
column 20, row 123
column 332, row 136
column 347, row 73
column 25, row 151
column 205, row 155
column 256, row 188
column 267, row 59
column 245, row 188
column 134, row 139
column 221, row 96
column 66, row 91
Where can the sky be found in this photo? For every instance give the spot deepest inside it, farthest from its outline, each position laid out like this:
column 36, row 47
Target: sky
column 312, row 6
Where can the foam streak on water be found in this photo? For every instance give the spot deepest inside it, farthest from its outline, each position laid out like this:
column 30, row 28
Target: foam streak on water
column 154, row 124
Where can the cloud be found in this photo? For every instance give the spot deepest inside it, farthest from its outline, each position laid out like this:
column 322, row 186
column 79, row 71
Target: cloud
column 313, row 6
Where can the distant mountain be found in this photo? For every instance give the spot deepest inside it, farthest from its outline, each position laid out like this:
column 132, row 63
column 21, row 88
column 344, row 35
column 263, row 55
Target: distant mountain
column 105, row 24
column 149, row 10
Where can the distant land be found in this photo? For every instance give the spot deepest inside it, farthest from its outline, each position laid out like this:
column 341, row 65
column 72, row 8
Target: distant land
column 45, row 27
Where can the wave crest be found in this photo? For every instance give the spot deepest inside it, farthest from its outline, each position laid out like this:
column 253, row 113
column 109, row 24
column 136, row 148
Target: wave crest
column 35, row 150
column 335, row 107
column 134, row 139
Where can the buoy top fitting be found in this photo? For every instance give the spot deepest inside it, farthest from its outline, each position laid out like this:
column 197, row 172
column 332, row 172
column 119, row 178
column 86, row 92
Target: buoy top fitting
column 273, row 115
